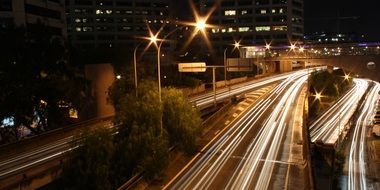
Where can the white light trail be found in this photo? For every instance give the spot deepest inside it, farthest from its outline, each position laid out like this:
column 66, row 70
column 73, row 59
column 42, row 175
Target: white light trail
column 266, row 144
column 356, row 159
column 328, row 127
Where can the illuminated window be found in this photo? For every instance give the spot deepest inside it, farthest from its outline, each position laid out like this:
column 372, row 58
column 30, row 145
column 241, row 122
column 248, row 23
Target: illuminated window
column 229, row 12
column 262, row 28
column 73, row 113
column 223, row 30
column 98, row 12
column 215, row 30
column 244, row 12
column 281, row 10
column 125, row 28
column 87, row 29
column 273, row 10
column 243, row 29
column 263, row 11
column 108, row 12
column 279, row 28
column 77, row 20
column 231, row 30
column 78, row 29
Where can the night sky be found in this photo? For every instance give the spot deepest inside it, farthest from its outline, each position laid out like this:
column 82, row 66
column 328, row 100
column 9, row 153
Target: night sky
column 360, row 17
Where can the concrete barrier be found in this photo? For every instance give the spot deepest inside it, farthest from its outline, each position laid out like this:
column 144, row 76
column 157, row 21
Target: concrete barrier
column 190, row 91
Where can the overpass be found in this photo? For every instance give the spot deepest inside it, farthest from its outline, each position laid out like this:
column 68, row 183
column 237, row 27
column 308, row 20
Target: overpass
column 352, row 57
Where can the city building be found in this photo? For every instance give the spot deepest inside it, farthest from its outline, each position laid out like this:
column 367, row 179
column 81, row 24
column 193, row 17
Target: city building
column 254, row 22
column 30, row 13
column 115, row 23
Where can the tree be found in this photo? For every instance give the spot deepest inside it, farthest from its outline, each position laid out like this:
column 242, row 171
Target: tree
column 330, row 85
column 88, row 166
column 141, row 142
column 181, row 120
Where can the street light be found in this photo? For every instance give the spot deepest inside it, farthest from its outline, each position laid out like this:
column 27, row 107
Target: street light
column 318, row 96
column 236, row 45
column 200, row 26
column 346, row 77
column 135, row 65
column 267, row 46
column 292, row 46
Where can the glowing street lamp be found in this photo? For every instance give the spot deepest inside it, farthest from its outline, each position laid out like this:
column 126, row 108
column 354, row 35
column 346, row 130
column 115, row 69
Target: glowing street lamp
column 292, row 46
column 301, row 49
column 346, row 77
column 318, row 96
column 153, row 39
column 267, row 46
column 236, row 46
column 201, row 24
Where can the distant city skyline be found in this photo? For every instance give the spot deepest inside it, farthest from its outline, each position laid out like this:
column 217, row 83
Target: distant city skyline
column 355, row 17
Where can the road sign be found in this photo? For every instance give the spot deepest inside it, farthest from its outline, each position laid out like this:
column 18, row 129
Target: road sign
column 239, row 65
column 192, row 67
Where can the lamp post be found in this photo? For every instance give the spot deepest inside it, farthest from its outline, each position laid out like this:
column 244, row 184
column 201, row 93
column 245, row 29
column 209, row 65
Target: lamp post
column 236, row 45
column 135, row 65
column 154, row 40
column 200, row 25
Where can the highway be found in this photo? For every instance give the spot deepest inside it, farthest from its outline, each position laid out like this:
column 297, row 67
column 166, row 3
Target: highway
column 14, row 165
column 17, row 163
column 207, row 99
column 357, row 151
column 254, row 151
column 328, row 126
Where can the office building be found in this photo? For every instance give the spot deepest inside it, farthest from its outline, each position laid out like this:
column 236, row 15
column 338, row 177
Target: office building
column 115, row 23
column 254, row 22
column 30, row 13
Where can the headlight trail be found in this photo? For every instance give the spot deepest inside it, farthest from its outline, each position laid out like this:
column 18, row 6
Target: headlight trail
column 329, row 125
column 207, row 99
column 250, row 146
column 356, row 157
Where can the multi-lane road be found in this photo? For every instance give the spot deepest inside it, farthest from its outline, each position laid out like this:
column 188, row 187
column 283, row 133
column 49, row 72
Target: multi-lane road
column 357, row 147
column 328, row 127
column 207, row 99
column 14, row 166
column 255, row 151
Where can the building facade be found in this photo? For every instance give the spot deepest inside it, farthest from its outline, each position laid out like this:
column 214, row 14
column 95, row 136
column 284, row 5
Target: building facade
column 29, row 13
column 254, row 22
column 115, row 23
